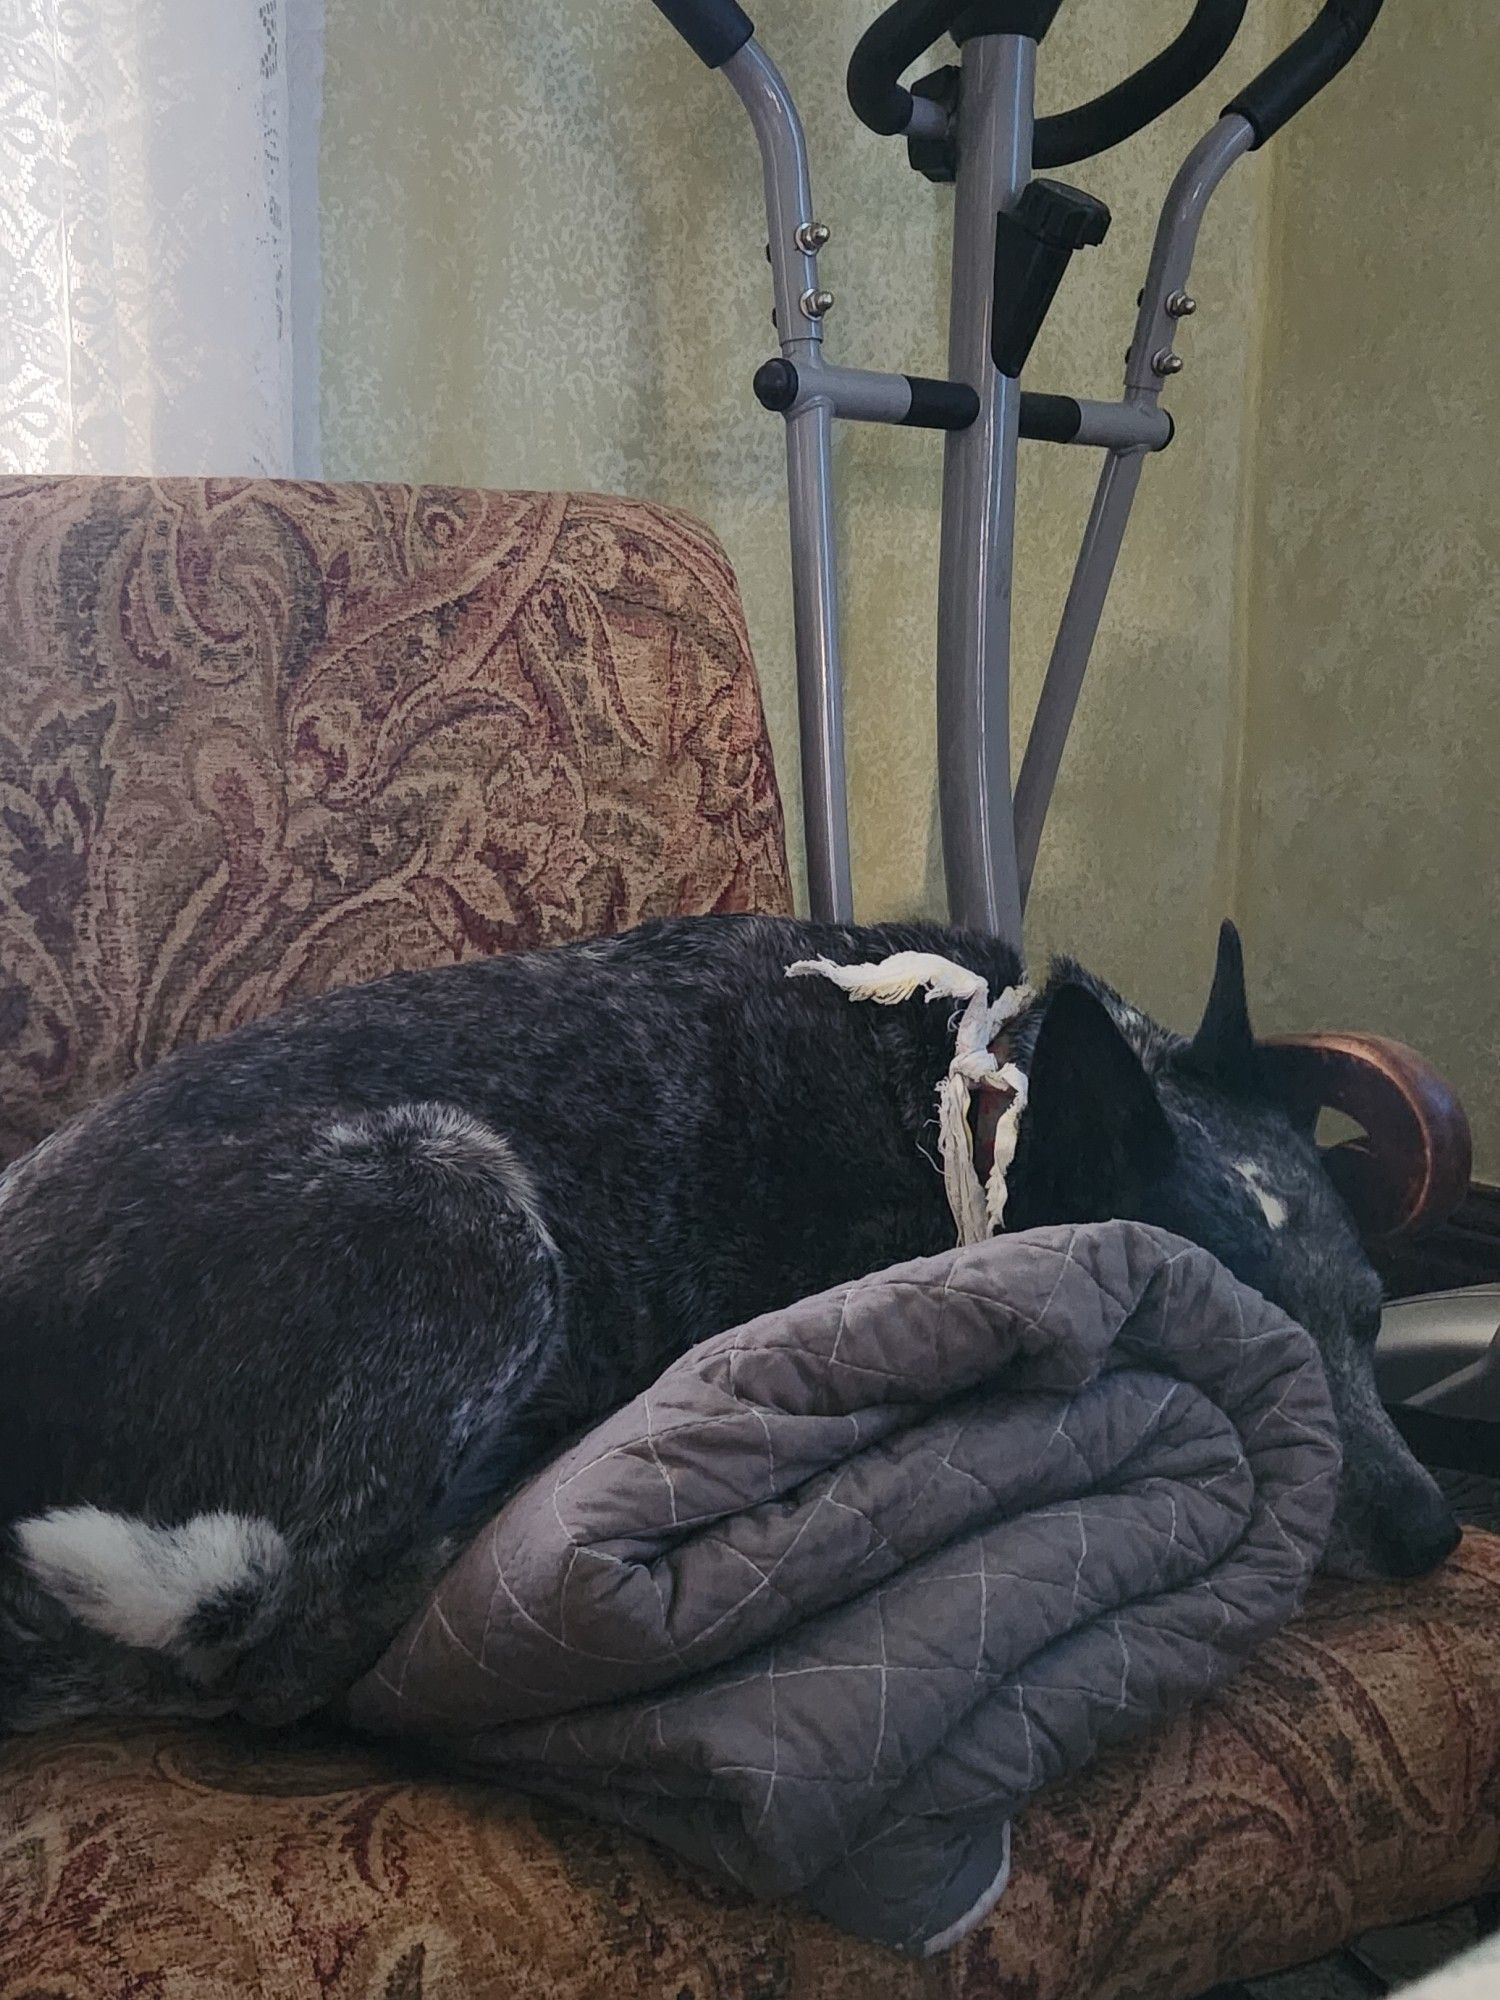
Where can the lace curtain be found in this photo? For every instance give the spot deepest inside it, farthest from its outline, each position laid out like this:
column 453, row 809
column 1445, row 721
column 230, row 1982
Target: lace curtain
column 158, row 235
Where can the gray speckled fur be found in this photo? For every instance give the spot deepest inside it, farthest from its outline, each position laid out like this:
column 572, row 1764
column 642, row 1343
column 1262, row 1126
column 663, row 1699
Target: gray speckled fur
column 352, row 1270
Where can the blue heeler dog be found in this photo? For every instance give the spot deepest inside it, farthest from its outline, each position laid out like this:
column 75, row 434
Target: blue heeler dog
column 282, row 1321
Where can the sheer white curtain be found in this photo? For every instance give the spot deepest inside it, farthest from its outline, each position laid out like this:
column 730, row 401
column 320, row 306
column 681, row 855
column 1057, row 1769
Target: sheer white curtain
column 158, row 235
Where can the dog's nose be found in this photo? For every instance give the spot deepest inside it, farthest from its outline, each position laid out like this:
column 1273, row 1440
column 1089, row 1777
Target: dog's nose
column 1420, row 1544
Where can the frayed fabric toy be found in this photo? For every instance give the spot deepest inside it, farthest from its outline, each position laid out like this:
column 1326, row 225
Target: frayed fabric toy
column 978, row 1206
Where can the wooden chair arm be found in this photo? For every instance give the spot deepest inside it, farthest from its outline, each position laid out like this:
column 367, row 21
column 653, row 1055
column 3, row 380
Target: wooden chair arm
column 1411, row 1168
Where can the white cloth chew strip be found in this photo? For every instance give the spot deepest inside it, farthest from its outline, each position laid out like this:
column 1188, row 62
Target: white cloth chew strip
column 978, row 1209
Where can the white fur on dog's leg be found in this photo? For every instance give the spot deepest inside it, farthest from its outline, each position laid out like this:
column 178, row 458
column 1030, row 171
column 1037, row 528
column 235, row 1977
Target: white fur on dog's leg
column 141, row 1584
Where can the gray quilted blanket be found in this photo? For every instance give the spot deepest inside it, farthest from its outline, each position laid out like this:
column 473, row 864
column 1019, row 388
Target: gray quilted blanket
column 826, row 1605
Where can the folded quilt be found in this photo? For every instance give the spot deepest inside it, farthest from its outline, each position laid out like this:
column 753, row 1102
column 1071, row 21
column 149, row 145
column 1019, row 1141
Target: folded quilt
column 826, row 1605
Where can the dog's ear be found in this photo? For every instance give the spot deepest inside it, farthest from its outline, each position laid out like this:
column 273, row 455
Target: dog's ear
column 1223, row 1050
column 1094, row 1131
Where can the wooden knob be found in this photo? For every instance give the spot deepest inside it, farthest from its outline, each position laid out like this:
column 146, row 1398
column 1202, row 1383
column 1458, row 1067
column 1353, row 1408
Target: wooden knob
column 1410, row 1168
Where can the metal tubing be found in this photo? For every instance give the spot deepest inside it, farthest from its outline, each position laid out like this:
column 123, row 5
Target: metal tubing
column 1092, row 575
column 929, row 119
column 1123, row 426
column 820, row 699
column 815, row 605
column 979, row 503
column 859, row 393
column 1148, row 365
column 1172, row 252
column 869, row 397
column 783, row 158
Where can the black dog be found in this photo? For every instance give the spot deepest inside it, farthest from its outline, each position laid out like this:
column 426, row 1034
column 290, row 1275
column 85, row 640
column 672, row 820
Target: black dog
column 283, row 1320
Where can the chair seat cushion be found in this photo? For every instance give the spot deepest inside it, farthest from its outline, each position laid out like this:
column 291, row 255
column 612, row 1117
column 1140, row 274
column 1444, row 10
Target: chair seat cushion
column 1351, row 1777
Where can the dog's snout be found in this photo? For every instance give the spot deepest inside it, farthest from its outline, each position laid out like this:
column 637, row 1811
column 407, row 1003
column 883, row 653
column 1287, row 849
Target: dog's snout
column 1392, row 1519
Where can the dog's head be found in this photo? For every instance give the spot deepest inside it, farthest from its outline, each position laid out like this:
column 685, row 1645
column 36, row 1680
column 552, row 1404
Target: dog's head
column 1126, row 1119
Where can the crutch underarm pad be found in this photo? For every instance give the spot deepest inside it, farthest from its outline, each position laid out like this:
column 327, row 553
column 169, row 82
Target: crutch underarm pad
column 714, row 30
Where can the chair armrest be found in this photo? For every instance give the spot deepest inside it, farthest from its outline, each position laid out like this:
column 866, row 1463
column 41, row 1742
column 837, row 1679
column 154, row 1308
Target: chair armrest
column 1411, row 1167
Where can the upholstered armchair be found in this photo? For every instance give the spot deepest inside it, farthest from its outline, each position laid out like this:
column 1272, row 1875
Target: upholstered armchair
column 258, row 739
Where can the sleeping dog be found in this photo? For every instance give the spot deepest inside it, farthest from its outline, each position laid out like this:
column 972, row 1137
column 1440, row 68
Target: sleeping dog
column 284, row 1320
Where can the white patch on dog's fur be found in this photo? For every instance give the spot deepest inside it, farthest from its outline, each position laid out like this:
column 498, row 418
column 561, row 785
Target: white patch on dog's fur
column 1271, row 1206
column 447, row 1137
column 141, row 1584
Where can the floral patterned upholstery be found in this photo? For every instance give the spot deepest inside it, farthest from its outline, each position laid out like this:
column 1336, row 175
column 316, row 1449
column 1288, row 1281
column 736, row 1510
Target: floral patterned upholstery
column 260, row 738
column 256, row 739
column 1350, row 1778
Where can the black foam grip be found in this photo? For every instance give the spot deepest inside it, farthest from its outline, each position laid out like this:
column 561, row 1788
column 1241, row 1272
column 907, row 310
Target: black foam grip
column 1294, row 79
column 1164, row 81
column 1052, row 419
column 941, row 406
column 907, row 30
column 714, row 30
column 887, row 47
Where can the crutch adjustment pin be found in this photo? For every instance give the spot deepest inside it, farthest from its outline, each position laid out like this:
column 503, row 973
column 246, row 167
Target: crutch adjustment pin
column 816, row 304
column 1165, row 362
column 813, row 236
column 1181, row 305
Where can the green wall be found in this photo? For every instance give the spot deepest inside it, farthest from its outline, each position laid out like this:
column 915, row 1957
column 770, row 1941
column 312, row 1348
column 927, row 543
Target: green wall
column 542, row 242
column 1368, row 839
column 542, row 245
